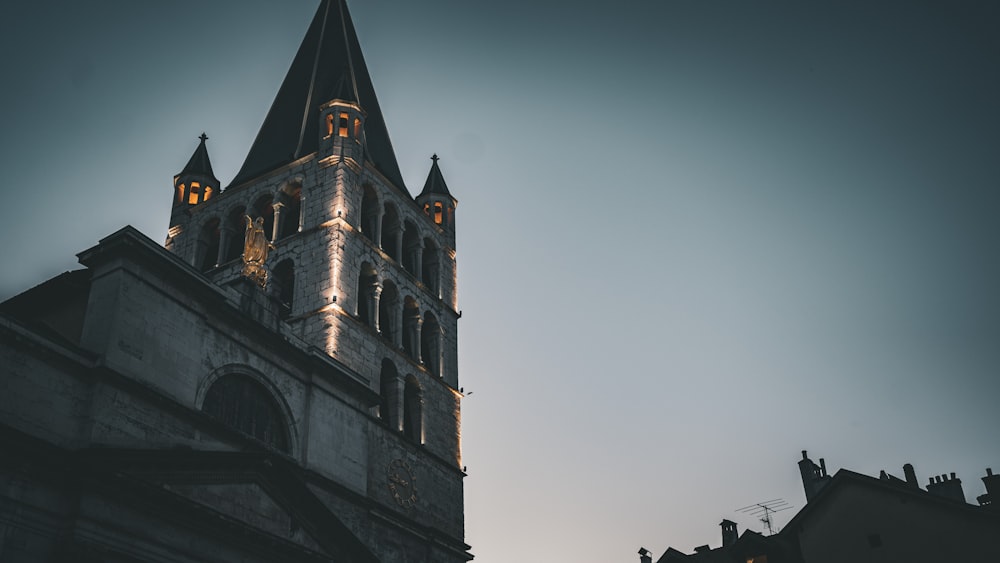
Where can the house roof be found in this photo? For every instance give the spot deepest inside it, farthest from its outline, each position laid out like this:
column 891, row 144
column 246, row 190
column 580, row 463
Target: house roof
column 847, row 478
column 329, row 65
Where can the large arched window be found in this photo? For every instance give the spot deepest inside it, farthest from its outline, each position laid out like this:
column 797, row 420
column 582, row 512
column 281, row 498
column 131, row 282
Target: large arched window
column 291, row 209
column 242, row 403
column 208, row 246
column 388, row 309
column 235, row 234
column 411, row 328
column 388, row 394
column 411, row 249
column 367, row 294
column 430, row 273
column 392, row 232
column 369, row 214
column 430, row 344
column 413, row 410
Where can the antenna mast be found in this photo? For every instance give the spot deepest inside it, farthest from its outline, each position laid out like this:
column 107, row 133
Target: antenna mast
column 764, row 511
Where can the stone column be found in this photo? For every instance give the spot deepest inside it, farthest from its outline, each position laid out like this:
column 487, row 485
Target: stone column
column 374, row 293
column 276, row 227
column 302, row 211
column 412, row 327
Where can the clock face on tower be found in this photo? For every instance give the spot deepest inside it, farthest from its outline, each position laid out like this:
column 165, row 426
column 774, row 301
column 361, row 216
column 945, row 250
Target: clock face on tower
column 402, row 484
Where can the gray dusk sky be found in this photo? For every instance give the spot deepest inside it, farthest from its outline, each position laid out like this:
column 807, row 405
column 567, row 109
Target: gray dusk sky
column 695, row 236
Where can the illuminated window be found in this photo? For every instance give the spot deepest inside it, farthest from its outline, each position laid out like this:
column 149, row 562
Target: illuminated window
column 357, row 128
column 244, row 404
column 343, row 124
column 757, row 559
column 438, row 213
column 180, row 193
column 208, row 193
column 194, row 193
column 329, row 124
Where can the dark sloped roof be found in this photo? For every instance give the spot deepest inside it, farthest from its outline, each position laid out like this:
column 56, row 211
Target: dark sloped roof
column 435, row 181
column 328, row 66
column 199, row 163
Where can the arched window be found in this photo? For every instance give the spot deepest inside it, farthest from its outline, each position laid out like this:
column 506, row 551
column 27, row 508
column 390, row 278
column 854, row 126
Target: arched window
column 208, row 246
column 411, row 248
column 413, row 410
column 388, row 394
column 263, row 208
column 291, row 201
column 284, row 280
column 367, row 294
column 387, row 310
column 194, row 193
column 430, row 344
column 369, row 213
column 244, row 404
column 431, row 273
column 235, row 234
column 392, row 232
column 411, row 328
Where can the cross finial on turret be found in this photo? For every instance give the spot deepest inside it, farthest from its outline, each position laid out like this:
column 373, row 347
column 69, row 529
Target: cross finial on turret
column 434, row 157
column 203, row 137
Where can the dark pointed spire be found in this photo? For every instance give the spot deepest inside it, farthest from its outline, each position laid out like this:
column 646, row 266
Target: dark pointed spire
column 328, row 66
column 435, row 181
column 200, row 164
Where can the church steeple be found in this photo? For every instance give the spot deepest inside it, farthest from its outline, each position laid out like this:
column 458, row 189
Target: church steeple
column 194, row 184
column 328, row 67
column 436, row 201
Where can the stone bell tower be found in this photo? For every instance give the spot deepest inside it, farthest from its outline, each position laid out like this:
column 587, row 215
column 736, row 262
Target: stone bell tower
column 360, row 272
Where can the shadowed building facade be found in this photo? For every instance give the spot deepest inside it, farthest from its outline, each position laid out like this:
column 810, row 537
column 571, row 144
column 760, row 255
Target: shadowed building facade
column 167, row 404
column 854, row 517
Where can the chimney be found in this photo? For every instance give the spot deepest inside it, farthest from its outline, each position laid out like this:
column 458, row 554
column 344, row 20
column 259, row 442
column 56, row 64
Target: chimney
column 814, row 477
column 645, row 556
column 729, row 533
column 911, row 476
column 702, row 549
column 947, row 487
column 992, row 496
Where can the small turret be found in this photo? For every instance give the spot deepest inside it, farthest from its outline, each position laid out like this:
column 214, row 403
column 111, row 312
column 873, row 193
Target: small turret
column 437, row 202
column 342, row 131
column 194, row 184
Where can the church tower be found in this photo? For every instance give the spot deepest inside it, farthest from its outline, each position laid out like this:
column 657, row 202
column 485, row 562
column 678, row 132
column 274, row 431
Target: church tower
column 361, row 273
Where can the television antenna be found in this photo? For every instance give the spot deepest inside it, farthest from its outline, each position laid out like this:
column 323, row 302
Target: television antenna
column 764, row 511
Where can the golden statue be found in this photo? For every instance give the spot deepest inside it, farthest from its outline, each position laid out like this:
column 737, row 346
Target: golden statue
column 255, row 249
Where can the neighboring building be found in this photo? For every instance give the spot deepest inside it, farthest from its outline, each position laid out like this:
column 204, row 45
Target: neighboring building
column 160, row 405
column 853, row 517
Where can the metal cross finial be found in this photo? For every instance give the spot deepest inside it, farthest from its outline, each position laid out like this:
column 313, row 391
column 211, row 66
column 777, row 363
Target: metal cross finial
column 203, row 137
column 435, row 158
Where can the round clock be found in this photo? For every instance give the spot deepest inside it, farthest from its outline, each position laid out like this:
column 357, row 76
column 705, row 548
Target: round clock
column 402, row 484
